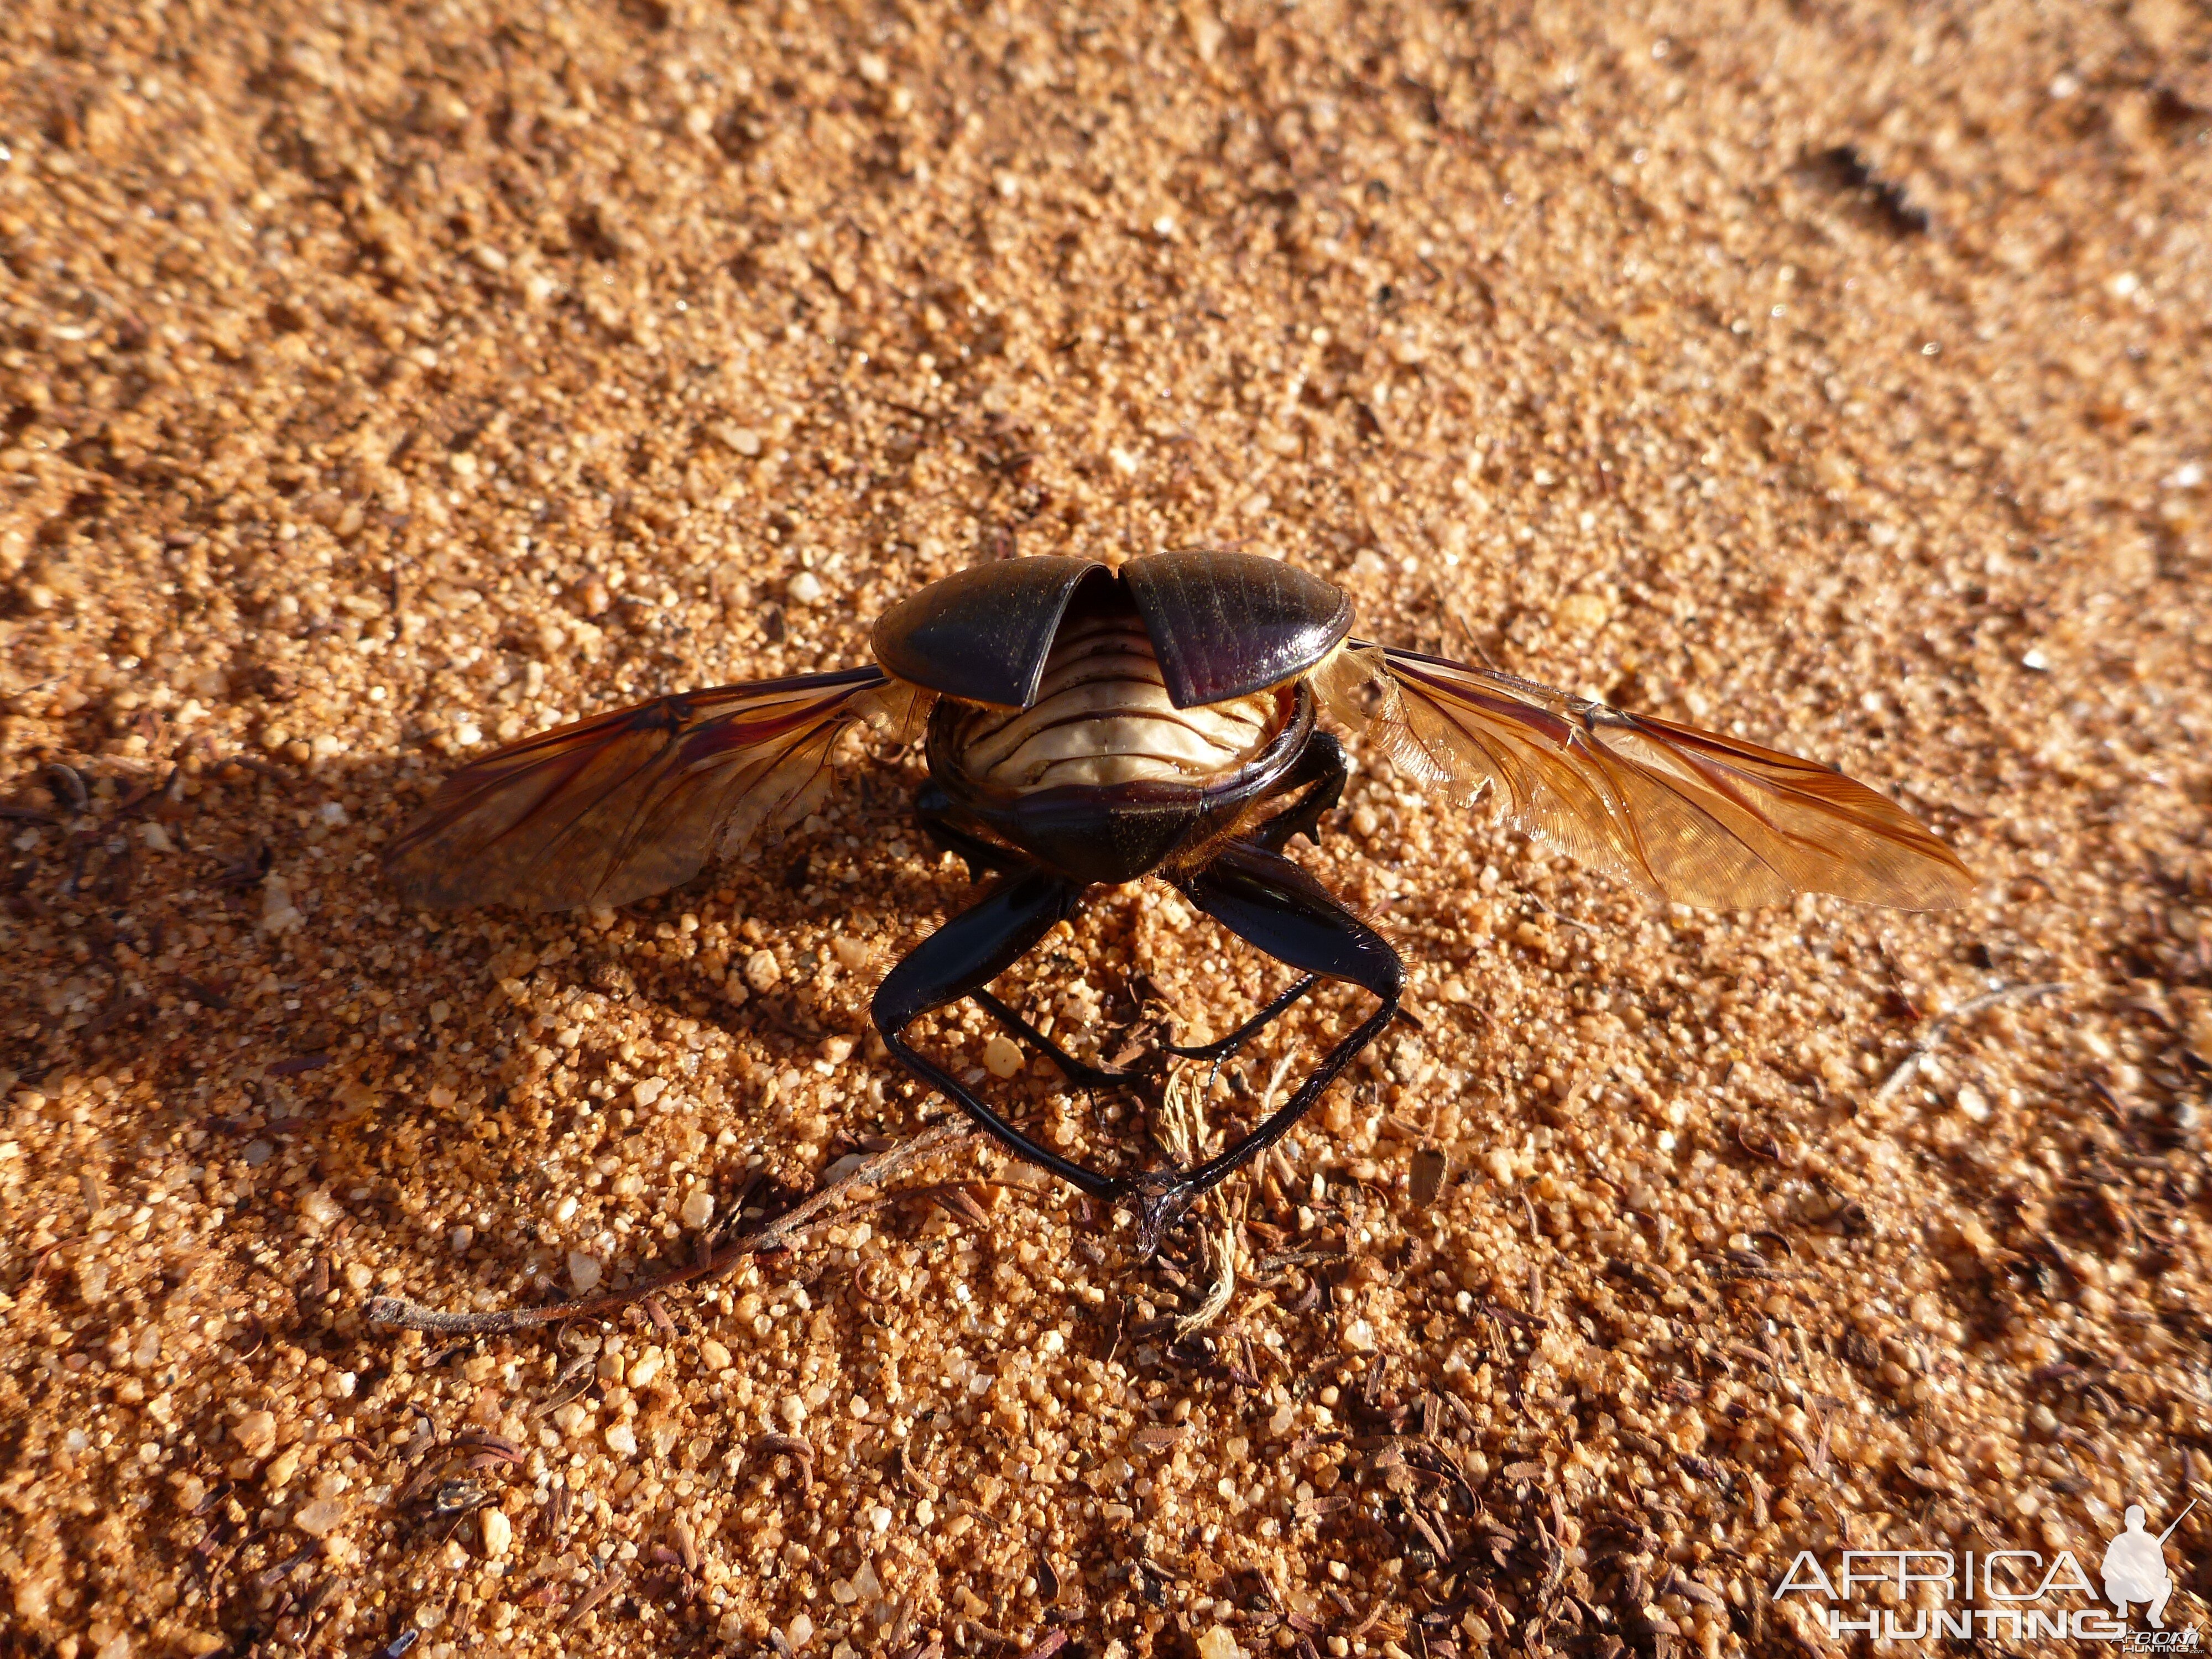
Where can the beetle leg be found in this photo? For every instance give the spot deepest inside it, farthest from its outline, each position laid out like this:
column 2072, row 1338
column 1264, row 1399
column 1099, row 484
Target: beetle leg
column 934, row 808
column 958, row 960
column 1322, row 766
column 1223, row 1047
column 1093, row 1077
column 1265, row 899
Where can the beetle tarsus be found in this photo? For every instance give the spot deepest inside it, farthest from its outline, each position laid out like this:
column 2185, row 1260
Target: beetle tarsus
column 1222, row 1047
column 1161, row 1199
column 1077, row 1070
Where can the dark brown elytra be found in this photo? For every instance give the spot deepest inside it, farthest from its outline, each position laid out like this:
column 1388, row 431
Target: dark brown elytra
column 1182, row 695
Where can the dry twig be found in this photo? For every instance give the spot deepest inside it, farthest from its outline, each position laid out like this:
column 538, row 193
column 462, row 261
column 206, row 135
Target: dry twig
column 1908, row 1067
column 398, row 1313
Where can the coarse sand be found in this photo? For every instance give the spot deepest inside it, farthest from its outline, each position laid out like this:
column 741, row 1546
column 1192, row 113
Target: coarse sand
column 379, row 382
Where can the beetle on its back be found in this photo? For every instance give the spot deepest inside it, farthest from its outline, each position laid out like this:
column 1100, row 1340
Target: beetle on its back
column 1095, row 726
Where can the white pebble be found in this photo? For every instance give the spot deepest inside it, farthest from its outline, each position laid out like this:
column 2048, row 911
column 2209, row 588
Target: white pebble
column 646, row 1367
column 804, row 588
column 762, row 971
column 650, row 1090
column 320, row 1207
column 851, row 953
column 698, row 1208
column 622, row 1440
column 320, row 1518
column 880, row 1517
column 793, row 1411
column 1002, row 1056
column 498, row 1533
column 584, row 1271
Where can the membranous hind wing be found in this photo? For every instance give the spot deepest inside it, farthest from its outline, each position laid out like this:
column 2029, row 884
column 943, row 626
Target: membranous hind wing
column 633, row 802
column 1685, row 815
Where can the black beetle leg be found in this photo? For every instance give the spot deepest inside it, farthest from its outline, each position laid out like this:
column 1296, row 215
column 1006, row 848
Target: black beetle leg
column 1264, row 898
column 933, row 808
column 958, row 960
column 1322, row 766
column 1094, row 1077
column 1222, row 1047
column 1220, row 1050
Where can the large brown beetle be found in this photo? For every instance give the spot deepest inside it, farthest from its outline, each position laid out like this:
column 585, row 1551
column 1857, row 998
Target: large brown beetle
column 1092, row 726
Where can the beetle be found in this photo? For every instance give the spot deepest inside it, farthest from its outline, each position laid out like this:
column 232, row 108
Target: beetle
column 1088, row 726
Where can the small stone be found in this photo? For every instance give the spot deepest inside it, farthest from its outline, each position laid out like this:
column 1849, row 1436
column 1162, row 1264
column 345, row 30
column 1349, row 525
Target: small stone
column 320, row 1207
column 498, row 1533
column 646, row 1367
column 256, row 1433
column 1002, row 1056
column 793, row 1411
column 837, row 1049
column 1359, row 1337
column 715, row 1357
column 851, row 953
column 320, row 1518
column 584, row 1271
column 1583, row 613
column 698, row 1208
column 649, row 1090
column 762, row 971
column 1219, row 1643
column 278, row 914
column 804, row 588
column 622, row 1440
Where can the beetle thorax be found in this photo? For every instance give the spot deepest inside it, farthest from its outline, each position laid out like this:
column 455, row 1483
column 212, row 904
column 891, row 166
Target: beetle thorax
column 1101, row 716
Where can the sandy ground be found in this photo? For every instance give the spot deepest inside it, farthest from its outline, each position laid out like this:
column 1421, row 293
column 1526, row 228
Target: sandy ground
column 381, row 382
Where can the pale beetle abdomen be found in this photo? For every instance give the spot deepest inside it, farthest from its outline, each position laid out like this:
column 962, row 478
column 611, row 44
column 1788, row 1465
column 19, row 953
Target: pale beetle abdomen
column 1103, row 716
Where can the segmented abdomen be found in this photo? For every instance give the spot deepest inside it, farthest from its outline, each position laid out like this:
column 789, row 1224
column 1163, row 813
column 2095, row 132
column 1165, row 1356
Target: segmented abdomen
column 1101, row 716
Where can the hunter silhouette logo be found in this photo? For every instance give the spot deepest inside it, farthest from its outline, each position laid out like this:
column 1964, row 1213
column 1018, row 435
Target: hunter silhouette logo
column 2010, row 1594
column 2135, row 1567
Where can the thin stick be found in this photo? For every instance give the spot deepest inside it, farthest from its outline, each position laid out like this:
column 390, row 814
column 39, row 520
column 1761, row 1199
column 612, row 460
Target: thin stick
column 398, row 1313
column 1221, row 1245
column 1938, row 1028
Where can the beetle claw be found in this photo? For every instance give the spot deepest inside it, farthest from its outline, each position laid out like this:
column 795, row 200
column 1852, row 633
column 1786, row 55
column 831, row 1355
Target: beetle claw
column 1162, row 1198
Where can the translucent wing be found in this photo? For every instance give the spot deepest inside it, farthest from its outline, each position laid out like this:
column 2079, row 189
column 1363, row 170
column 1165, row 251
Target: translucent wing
column 1685, row 815
column 635, row 801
